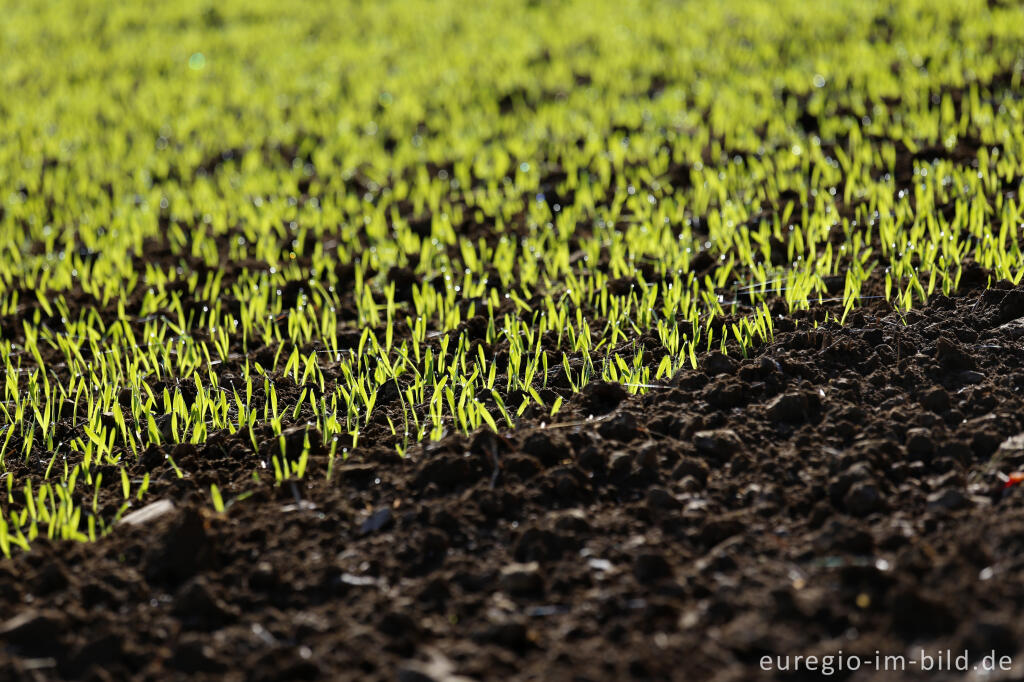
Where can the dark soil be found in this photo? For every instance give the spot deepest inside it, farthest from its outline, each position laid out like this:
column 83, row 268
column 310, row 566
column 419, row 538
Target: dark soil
column 839, row 490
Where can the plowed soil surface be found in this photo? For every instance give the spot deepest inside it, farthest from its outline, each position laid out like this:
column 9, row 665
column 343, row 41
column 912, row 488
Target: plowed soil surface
column 843, row 489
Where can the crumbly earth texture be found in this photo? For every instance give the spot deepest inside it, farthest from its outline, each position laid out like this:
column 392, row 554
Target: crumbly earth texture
column 377, row 341
column 839, row 490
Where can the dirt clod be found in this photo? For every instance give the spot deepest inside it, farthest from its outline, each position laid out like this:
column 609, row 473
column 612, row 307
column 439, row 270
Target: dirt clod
column 650, row 567
column 788, row 407
column 719, row 442
column 862, row 499
column 522, row 579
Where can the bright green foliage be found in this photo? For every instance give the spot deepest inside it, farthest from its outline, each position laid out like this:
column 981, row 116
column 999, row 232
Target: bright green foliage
column 215, row 179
